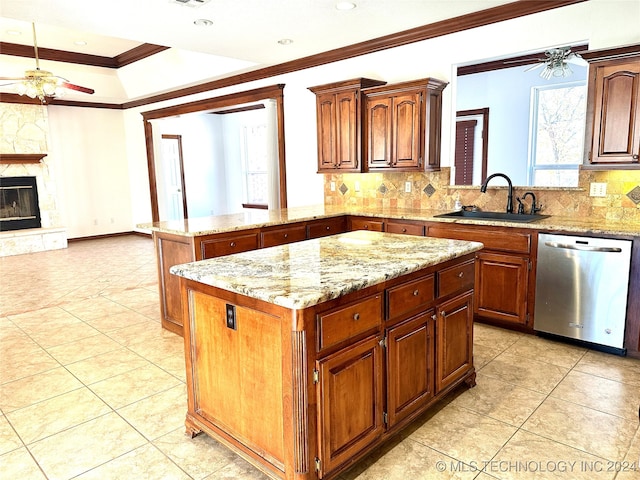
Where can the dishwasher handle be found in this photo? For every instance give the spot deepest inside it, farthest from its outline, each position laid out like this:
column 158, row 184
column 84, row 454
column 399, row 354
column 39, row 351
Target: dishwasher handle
column 584, row 248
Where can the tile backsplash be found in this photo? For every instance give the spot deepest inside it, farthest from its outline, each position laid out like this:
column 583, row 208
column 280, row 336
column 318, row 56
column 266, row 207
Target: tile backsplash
column 432, row 191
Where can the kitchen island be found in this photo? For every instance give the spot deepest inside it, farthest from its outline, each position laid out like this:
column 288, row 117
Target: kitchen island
column 304, row 357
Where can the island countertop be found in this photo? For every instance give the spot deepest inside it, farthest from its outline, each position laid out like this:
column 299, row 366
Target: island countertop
column 310, row 272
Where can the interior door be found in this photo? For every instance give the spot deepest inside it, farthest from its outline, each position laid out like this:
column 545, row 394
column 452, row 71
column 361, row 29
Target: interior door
column 173, row 196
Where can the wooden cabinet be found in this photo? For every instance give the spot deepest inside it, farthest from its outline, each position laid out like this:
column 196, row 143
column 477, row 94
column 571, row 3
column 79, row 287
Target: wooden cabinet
column 361, row 223
column 454, row 340
column 613, row 129
column 504, row 274
column 402, row 126
column 283, row 235
column 227, row 244
column 405, row 228
column 327, row 226
column 338, row 116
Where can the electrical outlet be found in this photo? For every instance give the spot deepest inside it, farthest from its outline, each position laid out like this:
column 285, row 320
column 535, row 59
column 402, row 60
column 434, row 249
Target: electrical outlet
column 598, row 189
column 407, row 187
column 357, row 187
column 332, row 186
column 231, row 317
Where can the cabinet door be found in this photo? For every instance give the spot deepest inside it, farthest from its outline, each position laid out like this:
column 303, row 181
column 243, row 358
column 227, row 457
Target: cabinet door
column 406, row 131
column 350, row 402
column 616, row 132
column 410, row 361
column 454, row 340
column 379, row 132
column 326, row 118
column 501, row 287
column 282, row 236
column 329, row 226
column 347, row 140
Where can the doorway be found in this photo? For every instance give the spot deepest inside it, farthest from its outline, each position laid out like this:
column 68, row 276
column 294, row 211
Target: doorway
column 172, row 193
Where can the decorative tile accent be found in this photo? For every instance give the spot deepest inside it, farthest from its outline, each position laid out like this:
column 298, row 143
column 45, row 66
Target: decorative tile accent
column 429, row 190
column 634, row 195
column 383, row 189
column 343, row 189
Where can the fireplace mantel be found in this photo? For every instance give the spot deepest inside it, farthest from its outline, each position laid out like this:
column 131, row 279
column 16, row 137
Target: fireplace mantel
column 21, row 157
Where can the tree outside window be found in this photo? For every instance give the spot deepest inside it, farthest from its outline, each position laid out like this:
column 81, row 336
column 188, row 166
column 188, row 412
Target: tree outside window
column 558, row 120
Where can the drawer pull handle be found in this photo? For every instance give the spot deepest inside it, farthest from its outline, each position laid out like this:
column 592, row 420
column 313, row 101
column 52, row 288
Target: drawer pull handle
column 434, row 316
column 286, row 235
column 443, row 313
column 404, row 230
column 232, row 244
column 356, row 316
column 416, row 293
column 461, row 274
column 328, row 227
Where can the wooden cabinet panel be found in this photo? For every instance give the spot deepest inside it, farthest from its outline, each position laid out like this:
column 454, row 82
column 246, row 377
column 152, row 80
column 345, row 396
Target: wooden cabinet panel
column 458, row 278
column 379, row 132
column 366, row 224
column 228, row 245
column 454, row 340
column 407, row 132
column 350, row 402
column 493, row 238
column 326, row 118
column 407, row 228
column 349, row 321
column 501, row 287
column 410, row 296
column 282, row 236
column 410, row 366
column 330, row 226
column 615, row 96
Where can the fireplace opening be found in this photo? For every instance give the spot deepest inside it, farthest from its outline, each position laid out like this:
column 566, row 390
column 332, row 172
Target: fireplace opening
column 19, row 203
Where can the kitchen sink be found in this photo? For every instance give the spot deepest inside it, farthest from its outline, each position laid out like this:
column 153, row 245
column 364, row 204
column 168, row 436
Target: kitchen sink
column 499, row 216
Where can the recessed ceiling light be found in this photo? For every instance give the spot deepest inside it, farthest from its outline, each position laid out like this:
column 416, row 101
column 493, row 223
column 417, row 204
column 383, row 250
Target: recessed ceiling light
column 345, row 5
column 285, row 41
column 14, row 32
column 203, row 22
column 80, row 43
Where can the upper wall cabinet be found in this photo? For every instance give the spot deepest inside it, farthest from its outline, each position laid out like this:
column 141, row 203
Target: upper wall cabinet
column 613, row 113
column 339, row 114
column 402, row 126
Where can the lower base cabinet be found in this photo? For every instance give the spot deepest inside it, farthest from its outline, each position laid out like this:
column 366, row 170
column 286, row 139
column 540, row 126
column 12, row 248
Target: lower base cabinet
column 306, row 399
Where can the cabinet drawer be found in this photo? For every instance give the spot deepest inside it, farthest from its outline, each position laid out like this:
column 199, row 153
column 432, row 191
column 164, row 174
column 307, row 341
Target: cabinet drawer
column 327, row 227
column 410, row 296
column 229, row 245
column 347, row 322
column 456, row 279
column 408, row 228
column 366, row 224
column 282, row 236
column 496, row 238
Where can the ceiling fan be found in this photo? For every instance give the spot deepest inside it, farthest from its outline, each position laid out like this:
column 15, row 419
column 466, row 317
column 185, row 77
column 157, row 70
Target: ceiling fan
column 41, row 83
column 556, row 63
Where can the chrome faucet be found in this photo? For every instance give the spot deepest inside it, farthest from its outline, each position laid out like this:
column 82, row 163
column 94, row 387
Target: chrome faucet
column 483, row 189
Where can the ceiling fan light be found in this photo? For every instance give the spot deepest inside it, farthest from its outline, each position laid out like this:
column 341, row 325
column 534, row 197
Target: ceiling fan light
column 21, row 88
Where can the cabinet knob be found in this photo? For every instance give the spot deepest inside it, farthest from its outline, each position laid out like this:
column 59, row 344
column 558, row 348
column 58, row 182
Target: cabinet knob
column 443, row 313
column 461, row 274
column 366, row 227
column 434, row 316
column 232, row 244
column 327, row 227
column 286, row 235
column 356, row 316
column 404, row 230
column 635, row 157
column 416, row 293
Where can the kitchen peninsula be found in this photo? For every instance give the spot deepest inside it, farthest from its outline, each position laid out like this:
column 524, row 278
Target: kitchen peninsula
column 303, row 357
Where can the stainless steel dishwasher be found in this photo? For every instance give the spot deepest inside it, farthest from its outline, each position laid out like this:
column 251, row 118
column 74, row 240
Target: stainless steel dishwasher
column 581, row 289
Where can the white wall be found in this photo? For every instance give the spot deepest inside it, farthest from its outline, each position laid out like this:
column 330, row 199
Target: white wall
column 601, row 23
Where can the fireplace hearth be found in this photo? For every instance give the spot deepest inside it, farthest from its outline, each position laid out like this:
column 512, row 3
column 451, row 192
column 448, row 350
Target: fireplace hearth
column 19, row 203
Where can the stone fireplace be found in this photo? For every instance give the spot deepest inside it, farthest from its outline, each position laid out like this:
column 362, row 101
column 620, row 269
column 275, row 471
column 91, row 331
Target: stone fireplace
column 19, row 207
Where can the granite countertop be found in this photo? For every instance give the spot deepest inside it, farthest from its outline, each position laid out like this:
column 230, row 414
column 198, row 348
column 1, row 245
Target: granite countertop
column 303, row 274
column 195, row 227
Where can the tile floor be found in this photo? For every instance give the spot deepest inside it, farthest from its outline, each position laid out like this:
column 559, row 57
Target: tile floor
column 92, row 388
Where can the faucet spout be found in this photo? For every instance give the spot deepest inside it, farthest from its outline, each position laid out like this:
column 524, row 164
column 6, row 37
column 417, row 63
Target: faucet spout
column 483, row 189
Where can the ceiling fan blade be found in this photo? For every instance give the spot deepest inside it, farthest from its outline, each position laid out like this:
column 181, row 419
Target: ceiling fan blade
column 77, row 88
column 12, row 78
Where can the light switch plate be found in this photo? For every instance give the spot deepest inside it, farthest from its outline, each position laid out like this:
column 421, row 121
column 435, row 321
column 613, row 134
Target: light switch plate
column 598, row 189
column 407, row 187
column 332, row 185
column 357, row 186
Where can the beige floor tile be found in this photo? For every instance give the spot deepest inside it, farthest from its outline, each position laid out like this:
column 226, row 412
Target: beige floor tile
column 36, row 388
column 622, row 369
column 51, row 416
column 548, row 351
column 51, row 337
column 106, row 365
column 199, row 457
column 143, row 463
column 146, row 331
column 9, row 439
column 600, row 393
column 463, row 435
column 116, row 321
column 412, row 460
column 24, row 359
column 525, row 372
column 91, row 308
column 592, row 431
column 82, row 349
column 134, row 385
column 18, row 464
column 86, row 446
column 500, row 400
column 529, row 456
column 629, row 467
column 169, row 346
column 158, row 414
column 494, row 337
column 482, row 355
column 238, row 469
column 175, row 365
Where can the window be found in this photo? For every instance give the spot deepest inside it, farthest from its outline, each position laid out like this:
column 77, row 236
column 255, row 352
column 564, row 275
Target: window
column 557, row 134
column 255, row 165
